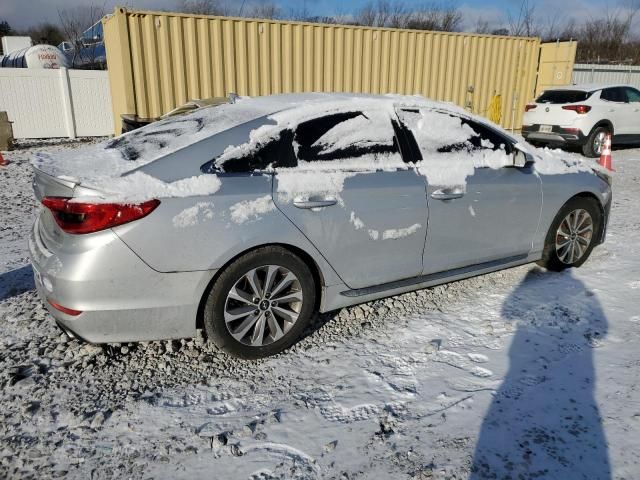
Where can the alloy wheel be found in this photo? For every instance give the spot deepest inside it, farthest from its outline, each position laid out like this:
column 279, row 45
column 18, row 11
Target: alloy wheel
column 573, row 236
column 263, row 305
column 598, row 142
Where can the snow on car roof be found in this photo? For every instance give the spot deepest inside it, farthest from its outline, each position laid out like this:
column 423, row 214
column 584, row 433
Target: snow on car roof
column 132, row 150
column 113, row 167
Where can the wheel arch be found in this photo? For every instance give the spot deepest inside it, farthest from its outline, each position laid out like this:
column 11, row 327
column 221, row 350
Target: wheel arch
column 601, row 209
column 603, row 123
column 316, row 271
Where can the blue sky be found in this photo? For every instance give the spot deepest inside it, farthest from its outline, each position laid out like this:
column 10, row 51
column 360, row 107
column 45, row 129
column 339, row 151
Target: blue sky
column 23, row 13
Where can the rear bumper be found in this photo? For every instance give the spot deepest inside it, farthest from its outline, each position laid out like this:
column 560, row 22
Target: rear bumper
column 558, row 135
column 120, row 297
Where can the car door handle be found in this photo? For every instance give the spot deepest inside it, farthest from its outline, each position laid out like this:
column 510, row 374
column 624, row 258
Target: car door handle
column 447, row 194
column 311, row 203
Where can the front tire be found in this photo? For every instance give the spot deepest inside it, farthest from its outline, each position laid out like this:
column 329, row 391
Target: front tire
column 573, row 234
column 595, row 142
column 260, row 304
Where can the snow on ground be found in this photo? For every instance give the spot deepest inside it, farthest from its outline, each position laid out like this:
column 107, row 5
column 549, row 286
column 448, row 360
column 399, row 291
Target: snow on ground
column 516, row 374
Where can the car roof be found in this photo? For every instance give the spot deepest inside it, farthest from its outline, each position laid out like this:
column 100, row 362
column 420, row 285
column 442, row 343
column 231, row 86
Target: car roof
column 298, row 101
column 588, row 87
column 137, row 149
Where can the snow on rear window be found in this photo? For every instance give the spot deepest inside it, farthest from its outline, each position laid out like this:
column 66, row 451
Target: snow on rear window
column 364, row 130
column 434, row 130
column 135, row 149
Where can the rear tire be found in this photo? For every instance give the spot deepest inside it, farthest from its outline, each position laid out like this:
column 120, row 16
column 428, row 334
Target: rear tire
column 572, row 235
column 595, row 142
column 260, row 304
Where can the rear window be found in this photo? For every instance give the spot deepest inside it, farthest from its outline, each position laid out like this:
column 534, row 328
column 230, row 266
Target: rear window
column 563, row 96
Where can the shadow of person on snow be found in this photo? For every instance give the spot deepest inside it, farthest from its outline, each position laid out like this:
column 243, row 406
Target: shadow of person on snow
column 544, row 421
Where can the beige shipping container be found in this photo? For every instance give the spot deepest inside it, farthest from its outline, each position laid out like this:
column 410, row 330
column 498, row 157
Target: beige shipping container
column 160, row 60
column 555, row 67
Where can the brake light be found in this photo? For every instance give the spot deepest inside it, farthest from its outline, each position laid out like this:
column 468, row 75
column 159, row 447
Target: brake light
column 580, row 109
column 83, row 217
column 62, row 309
column 529, row 106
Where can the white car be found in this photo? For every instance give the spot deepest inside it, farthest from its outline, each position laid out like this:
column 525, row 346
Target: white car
column 582, row 115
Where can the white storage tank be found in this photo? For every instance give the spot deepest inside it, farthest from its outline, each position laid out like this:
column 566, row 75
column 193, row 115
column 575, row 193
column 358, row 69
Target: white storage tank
column 38, row 56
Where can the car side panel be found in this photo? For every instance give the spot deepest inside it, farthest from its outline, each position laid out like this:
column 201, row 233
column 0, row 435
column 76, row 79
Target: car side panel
column 375, row 232
column 496, row 218
column 204, row 233
column 557, row 190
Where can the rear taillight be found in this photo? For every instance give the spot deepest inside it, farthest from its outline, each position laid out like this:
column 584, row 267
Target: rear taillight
column 529, row 106
column 580, row 109
column 82, row 217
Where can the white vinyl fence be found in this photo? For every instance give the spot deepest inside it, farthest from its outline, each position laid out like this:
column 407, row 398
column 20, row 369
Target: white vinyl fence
column 606, row 74
column 56, row 103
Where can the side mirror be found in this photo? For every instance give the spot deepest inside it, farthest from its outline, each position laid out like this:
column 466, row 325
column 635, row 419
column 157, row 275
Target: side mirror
column 521, row 159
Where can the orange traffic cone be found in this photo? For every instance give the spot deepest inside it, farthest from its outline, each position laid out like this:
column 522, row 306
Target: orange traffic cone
column 3, row 162
column 605, row 156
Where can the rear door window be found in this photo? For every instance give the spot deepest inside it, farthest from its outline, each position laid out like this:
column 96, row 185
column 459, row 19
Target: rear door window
column 345, row 135
column 615, row 94
column 563, row 96
column 273, row 153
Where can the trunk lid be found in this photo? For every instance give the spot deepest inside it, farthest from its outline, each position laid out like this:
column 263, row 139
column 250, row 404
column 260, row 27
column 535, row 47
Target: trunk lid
column 549, row 111
column 549, row 114
column 48, row 185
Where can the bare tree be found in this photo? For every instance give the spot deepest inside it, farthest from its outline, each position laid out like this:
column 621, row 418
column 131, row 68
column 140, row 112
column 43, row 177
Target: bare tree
column 74, row 22
column 603, row 39
column 300, row 12
column 444, row 17
column 482, row 26
column 203, row 7
column 262, row 9
column 525, row 23
column 432, row 16
column 367, row 15
column 392, row 14
column 47, row 33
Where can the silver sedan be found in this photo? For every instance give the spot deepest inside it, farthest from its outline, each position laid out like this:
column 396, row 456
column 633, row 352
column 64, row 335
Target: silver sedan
column 343, row 200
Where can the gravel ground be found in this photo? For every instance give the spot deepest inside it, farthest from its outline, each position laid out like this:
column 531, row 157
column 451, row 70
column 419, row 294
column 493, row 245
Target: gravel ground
column 398, row 388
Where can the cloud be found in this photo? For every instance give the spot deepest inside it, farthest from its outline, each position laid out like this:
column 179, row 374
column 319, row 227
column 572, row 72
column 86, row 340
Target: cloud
column 471, row 16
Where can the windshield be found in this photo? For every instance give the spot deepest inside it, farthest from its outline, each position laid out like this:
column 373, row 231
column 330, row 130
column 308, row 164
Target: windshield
column 563, row 96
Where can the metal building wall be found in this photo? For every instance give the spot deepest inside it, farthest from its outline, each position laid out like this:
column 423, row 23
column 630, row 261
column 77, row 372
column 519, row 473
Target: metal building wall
column 606, row 74
column 159, row 60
